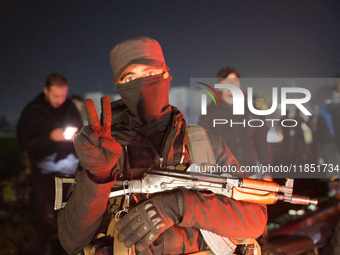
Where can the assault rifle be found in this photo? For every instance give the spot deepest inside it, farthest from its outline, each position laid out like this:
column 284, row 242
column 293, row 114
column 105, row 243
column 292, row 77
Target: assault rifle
column 242, row 189
column 159, row 180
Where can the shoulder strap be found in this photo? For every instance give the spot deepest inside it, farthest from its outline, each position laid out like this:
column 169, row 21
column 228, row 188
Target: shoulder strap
column 202, row 154
column 199, row 146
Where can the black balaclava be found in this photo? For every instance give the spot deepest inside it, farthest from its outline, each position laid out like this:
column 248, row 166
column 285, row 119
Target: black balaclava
column 148, row 100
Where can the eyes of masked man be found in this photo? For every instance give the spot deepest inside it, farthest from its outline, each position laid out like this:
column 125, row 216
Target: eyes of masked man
column 138, row 71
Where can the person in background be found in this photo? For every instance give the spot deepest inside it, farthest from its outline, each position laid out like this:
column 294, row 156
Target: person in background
column 146, row 132
column 79, row 103
column 330, row 111
column 333, row 108
column 248, row 144
column 294, row 149
column 45, row 131
column 327, row 137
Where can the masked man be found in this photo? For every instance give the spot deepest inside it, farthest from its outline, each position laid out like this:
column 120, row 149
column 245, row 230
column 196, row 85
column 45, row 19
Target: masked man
column 147, row 132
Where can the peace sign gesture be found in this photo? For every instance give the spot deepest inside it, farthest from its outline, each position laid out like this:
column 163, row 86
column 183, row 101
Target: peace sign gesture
column 96, row 149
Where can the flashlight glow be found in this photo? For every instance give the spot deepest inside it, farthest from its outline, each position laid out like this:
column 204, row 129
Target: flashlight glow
column 70, row 132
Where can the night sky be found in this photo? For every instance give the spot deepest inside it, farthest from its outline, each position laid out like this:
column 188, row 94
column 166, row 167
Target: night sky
column 264, row 38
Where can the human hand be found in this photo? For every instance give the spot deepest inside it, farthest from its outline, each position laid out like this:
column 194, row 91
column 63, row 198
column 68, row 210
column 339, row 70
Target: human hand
column 143, row 224
column 57, row 135
column 96, row 149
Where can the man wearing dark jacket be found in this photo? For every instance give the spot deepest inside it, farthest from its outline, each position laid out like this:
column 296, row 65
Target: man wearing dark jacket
column 248, row 144
column 42, row 132
column 147, row 133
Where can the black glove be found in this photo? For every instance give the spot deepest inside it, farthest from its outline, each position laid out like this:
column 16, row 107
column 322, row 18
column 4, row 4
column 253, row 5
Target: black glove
column 144, row 223
column 96, row 149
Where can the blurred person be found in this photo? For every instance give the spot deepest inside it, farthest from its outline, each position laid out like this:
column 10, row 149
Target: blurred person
column 146, row 132
column 328, row 137
column 248, row 144
column 294, row 149
column 325, row 136
column 333, row 108
column 45, row 131
column 79, row 103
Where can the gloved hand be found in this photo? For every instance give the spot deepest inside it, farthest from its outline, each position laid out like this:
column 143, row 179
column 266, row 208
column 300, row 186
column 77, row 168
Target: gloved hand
column 97, row 151
column 142, row 225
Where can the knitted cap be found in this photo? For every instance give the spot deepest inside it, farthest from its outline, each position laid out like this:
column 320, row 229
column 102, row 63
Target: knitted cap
column 137, row 50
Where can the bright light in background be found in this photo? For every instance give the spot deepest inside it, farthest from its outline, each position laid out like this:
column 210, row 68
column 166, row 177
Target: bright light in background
column 307, row 133
column 296, row 212
column 70, row 132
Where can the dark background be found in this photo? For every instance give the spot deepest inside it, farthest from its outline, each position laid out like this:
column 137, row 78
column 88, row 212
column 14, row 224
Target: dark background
column 260, row 38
